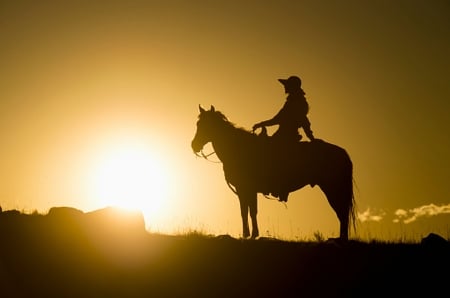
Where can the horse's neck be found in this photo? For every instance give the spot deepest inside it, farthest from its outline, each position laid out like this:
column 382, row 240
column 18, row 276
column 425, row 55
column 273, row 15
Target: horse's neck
column 228, row 142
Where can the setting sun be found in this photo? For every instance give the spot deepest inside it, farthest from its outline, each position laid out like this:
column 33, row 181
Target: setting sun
column 99, row 103
column 131, row 177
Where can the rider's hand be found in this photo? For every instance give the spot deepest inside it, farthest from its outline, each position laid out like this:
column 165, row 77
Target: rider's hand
column 256, row 126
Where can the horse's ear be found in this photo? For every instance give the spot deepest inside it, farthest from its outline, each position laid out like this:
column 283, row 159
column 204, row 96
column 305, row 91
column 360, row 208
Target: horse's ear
column 201, row 109
column 213, row 109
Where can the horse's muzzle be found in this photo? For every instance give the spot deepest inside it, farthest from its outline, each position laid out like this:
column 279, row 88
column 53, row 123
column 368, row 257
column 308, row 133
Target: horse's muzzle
column 196, row 146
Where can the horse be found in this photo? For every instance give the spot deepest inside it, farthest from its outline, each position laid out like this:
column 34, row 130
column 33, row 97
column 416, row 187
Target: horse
column 254, row 164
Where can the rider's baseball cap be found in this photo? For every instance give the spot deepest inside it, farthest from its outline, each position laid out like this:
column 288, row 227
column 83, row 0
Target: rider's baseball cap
column 292, row 81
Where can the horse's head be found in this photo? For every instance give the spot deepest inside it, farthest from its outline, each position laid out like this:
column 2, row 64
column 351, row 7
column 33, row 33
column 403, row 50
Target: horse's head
column 206, row 124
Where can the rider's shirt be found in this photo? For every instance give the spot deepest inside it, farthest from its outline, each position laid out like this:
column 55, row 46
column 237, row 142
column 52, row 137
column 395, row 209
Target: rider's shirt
column 292, row 116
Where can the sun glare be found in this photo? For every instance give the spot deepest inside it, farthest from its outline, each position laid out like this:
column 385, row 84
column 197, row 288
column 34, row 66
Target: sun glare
column 132, row 177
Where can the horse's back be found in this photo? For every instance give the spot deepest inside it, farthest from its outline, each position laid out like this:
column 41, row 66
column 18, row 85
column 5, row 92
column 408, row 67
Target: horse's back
column 323, row 150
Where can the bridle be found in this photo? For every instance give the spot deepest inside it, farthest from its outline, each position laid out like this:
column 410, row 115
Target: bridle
column 205, row 156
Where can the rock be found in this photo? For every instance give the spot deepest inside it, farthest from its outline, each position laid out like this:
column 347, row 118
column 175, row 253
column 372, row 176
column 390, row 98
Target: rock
column 434, row 240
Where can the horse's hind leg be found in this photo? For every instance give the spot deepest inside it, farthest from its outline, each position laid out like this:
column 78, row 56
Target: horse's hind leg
column 342, row 215
column 343, row 219
column 244, row 214
column 253, row 203
column 340, row 206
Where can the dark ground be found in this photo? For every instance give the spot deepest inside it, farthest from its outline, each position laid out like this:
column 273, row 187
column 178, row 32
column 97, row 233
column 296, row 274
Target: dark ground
column 67, row 255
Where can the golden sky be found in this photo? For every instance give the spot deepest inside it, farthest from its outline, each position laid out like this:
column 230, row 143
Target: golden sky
column 92, row 91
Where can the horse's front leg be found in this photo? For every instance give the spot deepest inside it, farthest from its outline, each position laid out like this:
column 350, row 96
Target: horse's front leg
column 253, row 204
column 244, row 214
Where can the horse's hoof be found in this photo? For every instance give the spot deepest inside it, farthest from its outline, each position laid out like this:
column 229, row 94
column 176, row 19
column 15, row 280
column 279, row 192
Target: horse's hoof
column 255, row 235
column 337, row 241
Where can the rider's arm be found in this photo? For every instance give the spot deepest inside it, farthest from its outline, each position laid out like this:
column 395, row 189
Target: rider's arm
column 269, row 122
column 273, row 121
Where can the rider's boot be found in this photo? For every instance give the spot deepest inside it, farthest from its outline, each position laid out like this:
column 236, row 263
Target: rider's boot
column 283, row 197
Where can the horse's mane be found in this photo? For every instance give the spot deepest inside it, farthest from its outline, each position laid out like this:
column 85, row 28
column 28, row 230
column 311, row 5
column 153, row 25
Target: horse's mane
column 230, row 124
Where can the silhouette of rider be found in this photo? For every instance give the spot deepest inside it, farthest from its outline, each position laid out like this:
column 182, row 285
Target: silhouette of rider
column 291, row 117
column 293, row 114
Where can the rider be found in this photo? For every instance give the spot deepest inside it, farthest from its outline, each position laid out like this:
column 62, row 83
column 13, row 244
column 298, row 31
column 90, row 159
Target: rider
column 293, row 114
column 291, row 117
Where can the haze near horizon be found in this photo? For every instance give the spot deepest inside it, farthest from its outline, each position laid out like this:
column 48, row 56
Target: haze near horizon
column 99, row 100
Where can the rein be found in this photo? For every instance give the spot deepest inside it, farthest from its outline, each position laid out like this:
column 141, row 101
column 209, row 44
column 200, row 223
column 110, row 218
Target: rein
column 205, row 156
column 233, row 189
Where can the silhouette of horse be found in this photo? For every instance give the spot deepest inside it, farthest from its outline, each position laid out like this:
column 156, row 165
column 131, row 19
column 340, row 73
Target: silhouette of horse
column 255, row 164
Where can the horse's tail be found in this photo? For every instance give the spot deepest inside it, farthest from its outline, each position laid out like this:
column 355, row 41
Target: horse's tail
column 352, row 209
column 350, row 181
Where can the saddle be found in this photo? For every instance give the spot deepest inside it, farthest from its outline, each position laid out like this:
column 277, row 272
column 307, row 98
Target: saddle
column 279, row 141
column 283, row 148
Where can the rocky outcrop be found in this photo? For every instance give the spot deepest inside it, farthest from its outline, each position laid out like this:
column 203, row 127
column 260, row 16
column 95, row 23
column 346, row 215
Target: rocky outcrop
column 60, row 221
